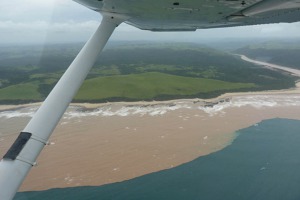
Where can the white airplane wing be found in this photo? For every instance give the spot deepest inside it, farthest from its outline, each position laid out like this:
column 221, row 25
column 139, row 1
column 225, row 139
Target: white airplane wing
column 155, row 15
column 186, row 15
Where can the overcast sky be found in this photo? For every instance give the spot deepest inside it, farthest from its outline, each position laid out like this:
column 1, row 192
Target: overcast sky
column 47, row 21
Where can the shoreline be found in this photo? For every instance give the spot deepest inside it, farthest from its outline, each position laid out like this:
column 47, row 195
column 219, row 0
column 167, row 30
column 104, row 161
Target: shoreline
column 112, row 142
column 295, row 90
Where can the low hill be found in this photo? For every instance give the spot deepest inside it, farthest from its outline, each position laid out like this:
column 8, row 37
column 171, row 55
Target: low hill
column 166, row 71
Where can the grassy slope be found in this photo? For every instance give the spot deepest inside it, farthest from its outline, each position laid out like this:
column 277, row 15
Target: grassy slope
column 26, row 91
column 150, row 85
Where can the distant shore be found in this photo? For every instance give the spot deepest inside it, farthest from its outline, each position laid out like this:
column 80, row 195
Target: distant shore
column 292, row 71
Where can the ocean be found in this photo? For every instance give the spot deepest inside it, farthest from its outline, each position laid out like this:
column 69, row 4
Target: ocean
column 261, row 163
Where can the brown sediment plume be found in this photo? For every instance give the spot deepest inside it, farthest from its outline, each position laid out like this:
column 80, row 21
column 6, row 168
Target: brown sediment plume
column 97, row 150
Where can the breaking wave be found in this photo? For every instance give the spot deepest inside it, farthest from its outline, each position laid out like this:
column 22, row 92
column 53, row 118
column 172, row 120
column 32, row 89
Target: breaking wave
column 211, row 108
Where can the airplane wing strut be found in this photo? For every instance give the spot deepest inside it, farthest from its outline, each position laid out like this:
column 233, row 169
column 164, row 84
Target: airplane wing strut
column 20, row 158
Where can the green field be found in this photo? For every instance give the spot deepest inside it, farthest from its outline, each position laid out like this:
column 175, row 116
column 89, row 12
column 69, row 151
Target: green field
column 27, row 91
column 134, row 87
column 152, row 85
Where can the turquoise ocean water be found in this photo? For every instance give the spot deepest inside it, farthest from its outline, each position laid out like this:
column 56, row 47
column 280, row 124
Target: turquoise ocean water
column 263, row 162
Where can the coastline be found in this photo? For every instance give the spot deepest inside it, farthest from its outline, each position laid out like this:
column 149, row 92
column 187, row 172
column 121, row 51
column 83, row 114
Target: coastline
column 292, row 71
column 97, row 144
column 295, row 90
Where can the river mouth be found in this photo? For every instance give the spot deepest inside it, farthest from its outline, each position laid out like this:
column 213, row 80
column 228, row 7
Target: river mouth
column 292, row 71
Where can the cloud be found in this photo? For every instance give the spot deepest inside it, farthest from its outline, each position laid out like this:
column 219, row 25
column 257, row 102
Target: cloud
column 281, row 30
column 26, row 10
column 43, row 31
column 36, row 21
column 47, row 10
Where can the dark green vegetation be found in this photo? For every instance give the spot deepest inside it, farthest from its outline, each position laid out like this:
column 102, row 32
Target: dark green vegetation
column 153, row 85
column 282, row 53
column 261, row 163
column 133, row 71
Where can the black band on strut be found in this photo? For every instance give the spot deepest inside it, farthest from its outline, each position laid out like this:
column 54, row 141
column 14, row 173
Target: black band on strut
column 17, row 146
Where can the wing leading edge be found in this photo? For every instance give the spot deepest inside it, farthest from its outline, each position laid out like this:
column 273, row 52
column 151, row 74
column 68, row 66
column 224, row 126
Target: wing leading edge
column 186, row 15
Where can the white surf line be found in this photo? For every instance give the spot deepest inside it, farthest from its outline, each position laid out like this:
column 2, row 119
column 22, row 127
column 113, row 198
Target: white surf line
column 295, row 72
